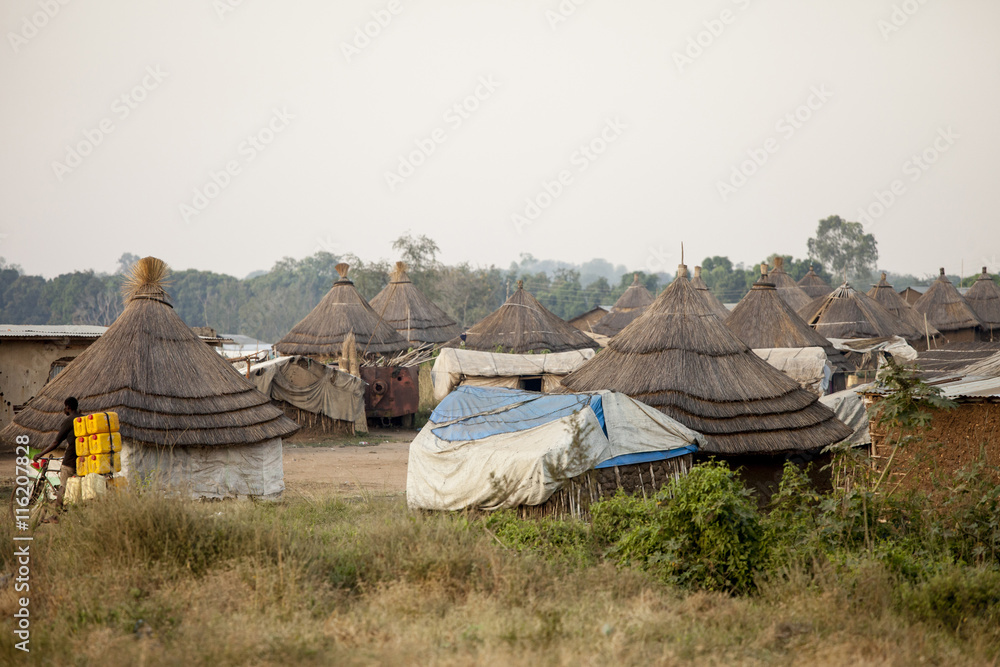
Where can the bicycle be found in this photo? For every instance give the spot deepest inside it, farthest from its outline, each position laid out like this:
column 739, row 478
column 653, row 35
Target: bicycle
column 41, row 492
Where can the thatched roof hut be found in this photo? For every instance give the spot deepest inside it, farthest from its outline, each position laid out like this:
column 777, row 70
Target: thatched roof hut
column 342, row 312
column 813, row 285
column 172, row 393
column 411, row 313
column 947, row 311
column 681, row 359
column 629, row 306
column 788, row 289
column 522, row 325
column 848, row 313
column 984, row 298
column 762, row 319
column 717, row 307
column 888, row 298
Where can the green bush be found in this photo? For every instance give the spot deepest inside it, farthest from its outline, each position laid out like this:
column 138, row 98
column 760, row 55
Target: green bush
column 613, row 517
column 955, row 597
column 558, row 538
column 706, row 534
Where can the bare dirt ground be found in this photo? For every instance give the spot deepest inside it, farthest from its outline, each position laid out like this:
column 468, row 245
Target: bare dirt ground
column 366, row 463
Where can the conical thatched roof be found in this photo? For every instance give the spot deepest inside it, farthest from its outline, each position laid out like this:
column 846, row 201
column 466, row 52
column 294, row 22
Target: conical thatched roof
column 681, row 359
column 848, row 313
column 523, row 325
column 713, row 303
column 888, row 298
column 168, row 387
column 628, row 307
column 984, row 298
column 762, row 319
column 341, row 312
column 788, row 289
column 813, row 285
column 411, row 313
column 945, row 308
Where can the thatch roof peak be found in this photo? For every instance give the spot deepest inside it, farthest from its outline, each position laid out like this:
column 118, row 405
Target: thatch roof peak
column 408, row 310
column 681, row 359
column 629, row 306
column 984, row 298
column 813, row 285
column 788, row 289
column 887, row 297
column 762, row 319
column 399, row 274
column 342, row 269
column 849, row 313
column 168, row 387
column 713, row 302
column 945, row 308
column 522, row 325
column 147, row 279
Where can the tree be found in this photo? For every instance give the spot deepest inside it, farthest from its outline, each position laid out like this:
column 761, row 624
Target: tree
column 843, row 245
column 126, row 261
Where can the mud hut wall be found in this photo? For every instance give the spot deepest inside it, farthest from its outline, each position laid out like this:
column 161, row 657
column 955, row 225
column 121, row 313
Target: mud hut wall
column 24, row 369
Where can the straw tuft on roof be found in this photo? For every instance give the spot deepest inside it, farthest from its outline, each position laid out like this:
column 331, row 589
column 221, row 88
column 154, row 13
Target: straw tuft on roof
column 984, row 298
column 168, row 387
column 883, row 293
column 762, row 319
column 342, row 311
column 713, row 303
column 629, row 306
column 848, row 313
column 412, row 314
column 945, row 308
column 813, row 285
column 523, row 325
column 788, row 289
column 681, row 359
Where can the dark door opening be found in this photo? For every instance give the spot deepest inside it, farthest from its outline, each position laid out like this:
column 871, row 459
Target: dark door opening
column 531, row 384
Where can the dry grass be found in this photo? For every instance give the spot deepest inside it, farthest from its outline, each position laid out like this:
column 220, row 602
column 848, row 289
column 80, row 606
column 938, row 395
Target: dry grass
column 366, row 582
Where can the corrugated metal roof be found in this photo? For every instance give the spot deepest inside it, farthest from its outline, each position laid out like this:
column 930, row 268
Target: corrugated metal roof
column 51, row 331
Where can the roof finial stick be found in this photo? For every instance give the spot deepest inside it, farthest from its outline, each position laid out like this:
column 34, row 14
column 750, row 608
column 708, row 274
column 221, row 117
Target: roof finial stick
column 682, row 252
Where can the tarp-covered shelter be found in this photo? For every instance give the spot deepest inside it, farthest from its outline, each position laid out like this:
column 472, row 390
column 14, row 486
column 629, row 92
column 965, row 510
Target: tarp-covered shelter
column 788, row 289
column 487, row 448
column 984, row 299
column 848, row 313
column 948, row 312
column 717, row 306
column 315, row 395
column 187, row 418
column 339, row 314
column 418, row 319
column 523, row 325
column 537, row 372
column 629, row 306
column 888, row 298
column 679, row 358
column 813, row 285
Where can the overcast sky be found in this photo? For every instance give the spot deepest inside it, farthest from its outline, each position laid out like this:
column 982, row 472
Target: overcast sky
column 730, row 125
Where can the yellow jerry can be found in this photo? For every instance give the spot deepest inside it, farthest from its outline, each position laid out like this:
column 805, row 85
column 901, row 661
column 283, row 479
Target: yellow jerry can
column 80, row 426
column 102, row 443
column 82, row 465
column 82, row 446
column 102, row 422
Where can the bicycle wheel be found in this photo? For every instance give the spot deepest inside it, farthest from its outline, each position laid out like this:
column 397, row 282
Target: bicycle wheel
column 44, row 505
column 33, row 492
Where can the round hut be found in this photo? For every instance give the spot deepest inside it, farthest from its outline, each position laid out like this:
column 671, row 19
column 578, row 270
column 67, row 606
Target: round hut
column 342, row 313
column 948, row 312
column 848, row 313
column 629, row 306
column 680, row 359
column 407, row 310
column 714, row 304
column 764, row 321
column 888, row 298
column 813, row 285
column 788, row 289
column 984, row 298
column 520, row 326
column 186, row 416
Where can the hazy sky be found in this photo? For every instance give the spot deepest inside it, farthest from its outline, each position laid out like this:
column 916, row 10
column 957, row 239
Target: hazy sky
column 823, row 106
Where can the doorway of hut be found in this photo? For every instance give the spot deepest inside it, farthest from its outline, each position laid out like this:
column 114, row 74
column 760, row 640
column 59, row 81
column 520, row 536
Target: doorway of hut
column 531, row 384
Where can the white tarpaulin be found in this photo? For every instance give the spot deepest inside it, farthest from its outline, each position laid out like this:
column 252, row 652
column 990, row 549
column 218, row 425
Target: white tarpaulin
column 808, row 366
column 209, row 472
column 494, row 448
column 849, row 406
column 894, row 345
column 313, row 386
column 454, row 367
